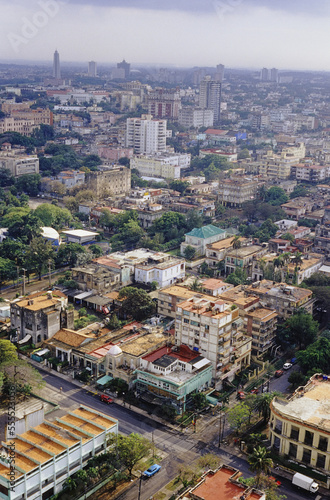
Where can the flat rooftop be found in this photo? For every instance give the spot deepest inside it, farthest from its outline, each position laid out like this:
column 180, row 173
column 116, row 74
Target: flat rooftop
column 311, row 405
column 214, row 483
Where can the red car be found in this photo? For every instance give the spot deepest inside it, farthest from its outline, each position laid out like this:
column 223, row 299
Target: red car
column 254, row 391
column 241, row 395
column 278, row 373
column 106, row 399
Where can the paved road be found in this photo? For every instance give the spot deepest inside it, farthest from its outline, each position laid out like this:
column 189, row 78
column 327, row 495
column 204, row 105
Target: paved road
column 180, row 448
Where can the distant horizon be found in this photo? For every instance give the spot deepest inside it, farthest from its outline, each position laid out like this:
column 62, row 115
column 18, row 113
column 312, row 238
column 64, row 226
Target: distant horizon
column 41, row 62
column 179, row 33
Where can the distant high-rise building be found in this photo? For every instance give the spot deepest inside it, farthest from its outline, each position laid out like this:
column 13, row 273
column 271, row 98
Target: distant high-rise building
column 125, row 66
column 274, row 75
column 145, row 135
column 92, row 71
column 164, row 103
column 210, row 96
column 56, row 66
column 219, row 74
column 264, row 75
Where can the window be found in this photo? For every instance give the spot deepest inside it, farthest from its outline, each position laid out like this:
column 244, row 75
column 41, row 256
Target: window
column 306, row 458
column 293, row 450
column 320, row 461
column 323, row 443
column 309, row 436
column 294, row 433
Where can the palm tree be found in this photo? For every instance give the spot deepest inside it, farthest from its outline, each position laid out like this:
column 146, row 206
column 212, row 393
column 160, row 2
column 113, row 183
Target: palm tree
column 260, row 462
column 236, row 243
column 196, row 286
column 263, row 404
column 297, row 260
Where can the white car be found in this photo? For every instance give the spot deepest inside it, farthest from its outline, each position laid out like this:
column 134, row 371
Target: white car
column 287, row 366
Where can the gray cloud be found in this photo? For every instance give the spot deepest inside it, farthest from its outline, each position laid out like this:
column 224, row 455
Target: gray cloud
column 317, row 7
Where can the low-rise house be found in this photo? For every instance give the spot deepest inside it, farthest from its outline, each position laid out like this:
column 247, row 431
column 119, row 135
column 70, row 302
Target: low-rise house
column 224, row 480
column 216, row 252
column 92, row 277
column 237, row 190
column 48, row 452
column 283, row 298
column 286, row 224
column 170, row 375
column 40, row 315
column 80, row 236
column 299, row 427
column 242, row 258
column 309, row 265
column 200, row 237
column 214, row 287
column 169, row 297
column 297, row 208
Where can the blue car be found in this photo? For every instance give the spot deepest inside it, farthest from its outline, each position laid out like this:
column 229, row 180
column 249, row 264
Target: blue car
column 152, row 470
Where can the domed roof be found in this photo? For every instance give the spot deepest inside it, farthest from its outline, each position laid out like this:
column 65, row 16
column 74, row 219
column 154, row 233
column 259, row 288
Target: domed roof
column 114, row 350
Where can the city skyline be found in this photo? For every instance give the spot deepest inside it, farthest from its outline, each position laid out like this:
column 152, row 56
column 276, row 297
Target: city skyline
column 239, row 33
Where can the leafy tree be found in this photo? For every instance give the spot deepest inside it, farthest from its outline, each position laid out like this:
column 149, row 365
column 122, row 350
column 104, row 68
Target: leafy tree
column 299, row 191
column 199, row 400
column 114, row 322
column 96, row 250
column 178, row 185
column 167, row 221
column 52, row 215
column 124, row 161
column 260, row 462
column 7, row 351
column 131, row 449
column 189, row 252
column 296, row 379
column 68, row 254
column 40, row 251
column 237, row 416
column 316, row 357
column 238, row 277
column 82, row 312
column 29, row 183
column 209, row 461
column 243, row 154
column 262, row 404
column 276, row 196
column 19, row 374
column 92, row 161
column 6, row 179
column 25, row 227
column 288, row 236
column 7, row 270
column 137, row 303
column 302, row 328
column 154, row 286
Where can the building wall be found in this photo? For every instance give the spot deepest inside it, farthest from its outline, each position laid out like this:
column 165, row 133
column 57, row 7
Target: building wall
column 116, row 181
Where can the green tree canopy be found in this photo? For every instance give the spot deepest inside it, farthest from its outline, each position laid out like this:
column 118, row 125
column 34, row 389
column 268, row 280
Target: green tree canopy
column 302, row 329
column 316, row 357
column 237, row 416
column 29, row 184
column 8, row 351
column 260, row 462
column 189, row 252
column 137, row 303
column 276, row 196
column 178, row 185
column 52, row 215
column 131, row 449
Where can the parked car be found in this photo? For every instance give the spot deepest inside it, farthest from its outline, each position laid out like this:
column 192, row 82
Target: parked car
column 287, row 366
column 254, row 391
column 241, row 395
column 106, row 399
column 278, row 373
column 152, row 470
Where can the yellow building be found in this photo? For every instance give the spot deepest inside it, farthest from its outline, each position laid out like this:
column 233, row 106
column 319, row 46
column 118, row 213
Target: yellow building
column 300, row 426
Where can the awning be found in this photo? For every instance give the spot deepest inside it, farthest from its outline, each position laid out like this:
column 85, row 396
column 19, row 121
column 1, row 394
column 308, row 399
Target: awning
column 83, row 295
column 42, row 352
column 104, row 380
column 26, row 339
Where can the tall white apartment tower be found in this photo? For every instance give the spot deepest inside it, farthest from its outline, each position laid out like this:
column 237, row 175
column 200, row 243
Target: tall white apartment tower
column 92, row 69
column 210, row 96
column 56, row 66
column 146, row 135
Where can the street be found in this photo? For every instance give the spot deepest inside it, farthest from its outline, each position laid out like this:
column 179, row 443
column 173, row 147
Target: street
column 180, row 448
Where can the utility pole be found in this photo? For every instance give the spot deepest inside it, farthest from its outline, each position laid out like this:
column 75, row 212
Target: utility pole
column 24, row 271
column 50, row 272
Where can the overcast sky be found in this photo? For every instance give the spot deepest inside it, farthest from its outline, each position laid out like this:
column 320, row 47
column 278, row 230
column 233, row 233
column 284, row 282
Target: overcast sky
column 287, row 34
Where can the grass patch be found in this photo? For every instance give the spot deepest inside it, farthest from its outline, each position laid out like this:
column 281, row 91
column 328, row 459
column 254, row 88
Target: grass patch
column 159, row 496
column 173, row 484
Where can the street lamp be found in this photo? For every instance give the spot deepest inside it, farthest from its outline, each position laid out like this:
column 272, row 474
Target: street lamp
column 140, row 481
